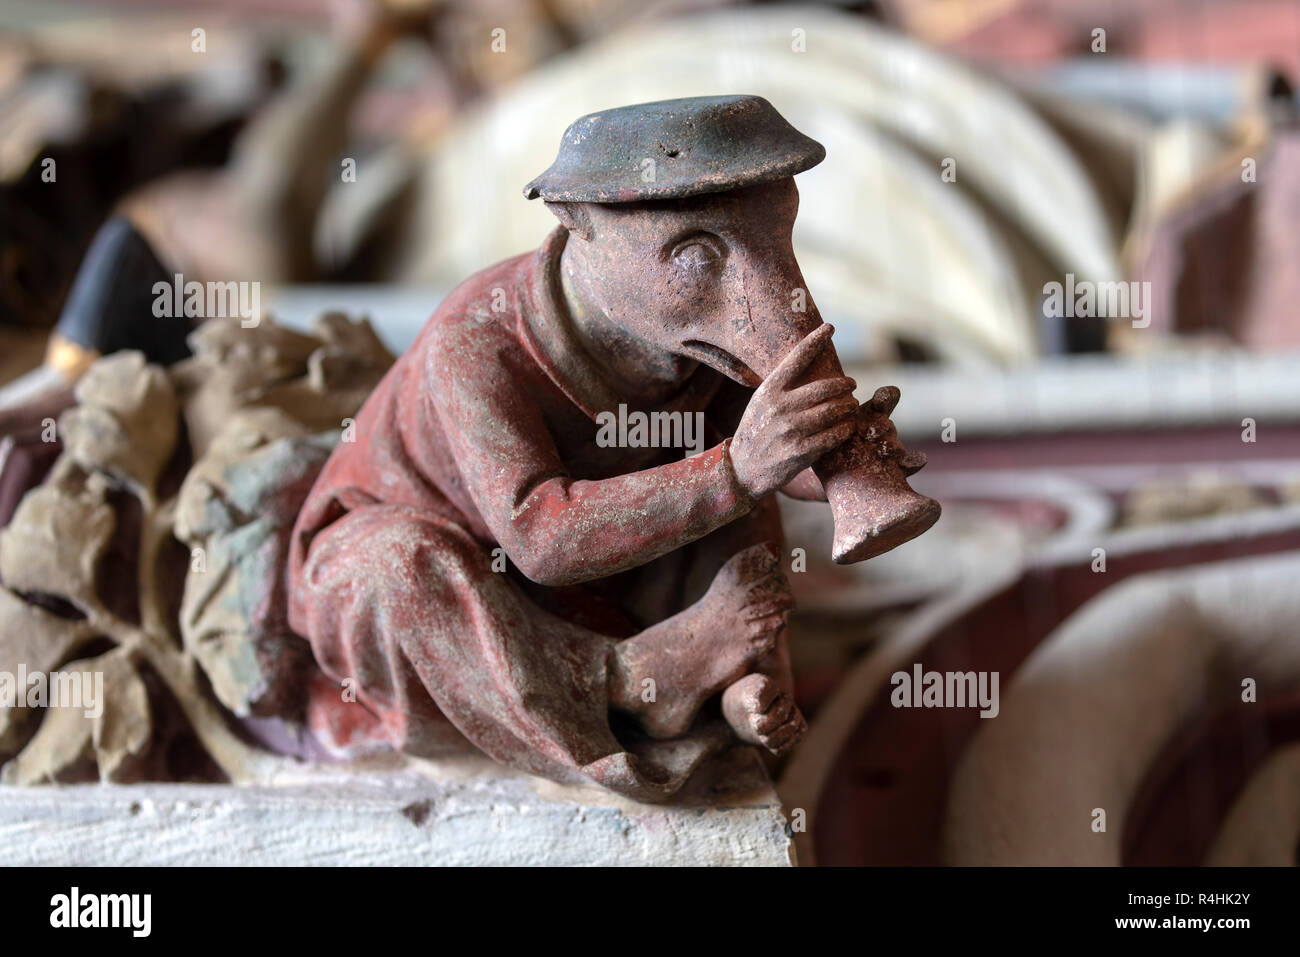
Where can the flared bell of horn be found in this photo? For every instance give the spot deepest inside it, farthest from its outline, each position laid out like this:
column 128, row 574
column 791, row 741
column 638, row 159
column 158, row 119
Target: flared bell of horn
column 873, row 506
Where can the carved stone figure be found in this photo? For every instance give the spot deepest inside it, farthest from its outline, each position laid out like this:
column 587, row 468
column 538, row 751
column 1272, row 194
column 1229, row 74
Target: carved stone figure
column 486, row 559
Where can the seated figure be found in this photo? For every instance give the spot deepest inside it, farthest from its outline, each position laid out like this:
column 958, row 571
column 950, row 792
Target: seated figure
column 488, row 556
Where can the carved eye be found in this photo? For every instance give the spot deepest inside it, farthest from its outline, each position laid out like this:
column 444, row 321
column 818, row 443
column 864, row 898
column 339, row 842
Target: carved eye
column 697, row 256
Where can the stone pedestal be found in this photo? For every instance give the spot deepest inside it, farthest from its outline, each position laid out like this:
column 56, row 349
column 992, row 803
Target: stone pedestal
column 470, row 813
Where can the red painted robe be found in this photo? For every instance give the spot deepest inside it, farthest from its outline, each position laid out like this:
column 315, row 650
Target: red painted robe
column 483, row 434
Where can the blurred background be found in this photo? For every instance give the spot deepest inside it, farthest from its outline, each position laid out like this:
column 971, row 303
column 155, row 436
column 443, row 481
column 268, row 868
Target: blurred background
column 1064, row 228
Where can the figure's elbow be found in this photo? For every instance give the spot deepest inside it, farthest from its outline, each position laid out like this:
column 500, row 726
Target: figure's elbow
column 539, row 545
column 549, row 565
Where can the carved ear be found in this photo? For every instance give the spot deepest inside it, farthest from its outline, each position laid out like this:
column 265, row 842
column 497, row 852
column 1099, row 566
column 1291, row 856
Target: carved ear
column 574, row 218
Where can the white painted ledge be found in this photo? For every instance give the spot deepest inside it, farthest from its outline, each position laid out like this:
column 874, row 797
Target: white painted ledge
column 1187, row 387
column 472, row 814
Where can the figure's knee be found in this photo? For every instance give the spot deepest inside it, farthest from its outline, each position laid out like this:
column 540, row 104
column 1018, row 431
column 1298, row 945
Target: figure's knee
column 382, row 568
column 386, row 543
column 369, row 584
column 710, row 553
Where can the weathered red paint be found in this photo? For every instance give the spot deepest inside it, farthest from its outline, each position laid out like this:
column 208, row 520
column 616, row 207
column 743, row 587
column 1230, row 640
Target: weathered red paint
column 642, row 585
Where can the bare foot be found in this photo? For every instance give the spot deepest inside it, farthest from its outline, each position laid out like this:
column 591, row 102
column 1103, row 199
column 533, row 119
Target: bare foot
column 761, row 713
column 663, row 675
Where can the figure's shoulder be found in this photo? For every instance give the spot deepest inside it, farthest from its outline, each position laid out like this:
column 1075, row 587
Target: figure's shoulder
column 486, row 299
column 478, row 321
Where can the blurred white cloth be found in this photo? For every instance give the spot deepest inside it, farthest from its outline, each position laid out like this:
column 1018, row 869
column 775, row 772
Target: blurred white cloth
column 890, row 247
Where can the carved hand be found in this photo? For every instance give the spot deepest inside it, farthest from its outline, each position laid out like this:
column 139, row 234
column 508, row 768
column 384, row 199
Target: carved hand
column 786, row 427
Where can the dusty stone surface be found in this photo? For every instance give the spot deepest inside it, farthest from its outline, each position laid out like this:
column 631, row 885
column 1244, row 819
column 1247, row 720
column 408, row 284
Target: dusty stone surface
column 473, row 813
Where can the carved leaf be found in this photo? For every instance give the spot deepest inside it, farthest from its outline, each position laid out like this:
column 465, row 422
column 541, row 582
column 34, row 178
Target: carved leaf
column 35, row 641
column 259, row 354
column 109, row 722
column 126, row 422
column 238, row 504
column 352, row 355
column 54, row 541
column 341, row 374
column 234, row 368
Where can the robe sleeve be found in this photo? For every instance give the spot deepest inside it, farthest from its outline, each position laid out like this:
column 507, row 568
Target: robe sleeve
column 557, row 530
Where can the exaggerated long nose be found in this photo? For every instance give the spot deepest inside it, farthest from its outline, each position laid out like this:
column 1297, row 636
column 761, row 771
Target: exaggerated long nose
column 771, row 309
column 865, row 479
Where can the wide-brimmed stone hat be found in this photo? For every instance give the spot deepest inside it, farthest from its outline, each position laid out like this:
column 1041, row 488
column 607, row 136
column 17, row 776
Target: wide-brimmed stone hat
column 700, row 144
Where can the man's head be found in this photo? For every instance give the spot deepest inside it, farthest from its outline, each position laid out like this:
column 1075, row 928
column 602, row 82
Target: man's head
column 680, row 216
column 712, row 278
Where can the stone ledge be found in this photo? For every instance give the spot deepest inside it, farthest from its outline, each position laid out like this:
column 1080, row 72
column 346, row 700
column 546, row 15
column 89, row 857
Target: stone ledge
column 475, row 813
